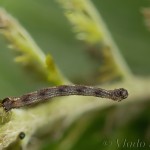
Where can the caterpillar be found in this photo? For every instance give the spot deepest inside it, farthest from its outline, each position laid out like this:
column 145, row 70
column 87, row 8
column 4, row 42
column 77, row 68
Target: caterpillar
column 9, row 103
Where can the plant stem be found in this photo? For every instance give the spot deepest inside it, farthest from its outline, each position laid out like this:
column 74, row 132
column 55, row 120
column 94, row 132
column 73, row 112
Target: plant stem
column 90, row 27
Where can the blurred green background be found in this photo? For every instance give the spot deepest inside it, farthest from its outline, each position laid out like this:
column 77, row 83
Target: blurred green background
column 45, row 21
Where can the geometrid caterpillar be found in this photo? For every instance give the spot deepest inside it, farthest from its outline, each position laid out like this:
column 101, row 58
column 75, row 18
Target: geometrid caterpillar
column 62, row 90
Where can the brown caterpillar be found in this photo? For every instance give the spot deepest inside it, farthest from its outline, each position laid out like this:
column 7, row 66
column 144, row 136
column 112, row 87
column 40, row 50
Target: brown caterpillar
column 9, row 103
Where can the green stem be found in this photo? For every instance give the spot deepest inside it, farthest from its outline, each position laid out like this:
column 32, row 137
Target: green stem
column 29, row 54
column 90, row 28
column 117, row 58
